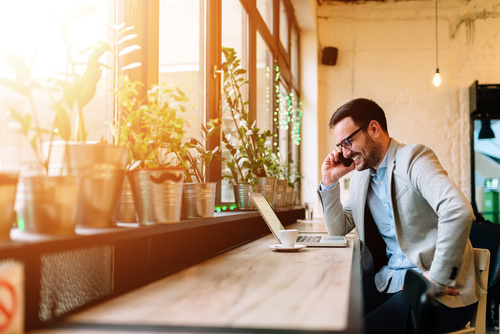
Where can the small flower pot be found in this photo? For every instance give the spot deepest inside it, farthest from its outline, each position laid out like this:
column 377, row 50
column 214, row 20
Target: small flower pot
column 242, row 198
column 8, row 189
column 198, row 200
column 48, row 204
column 157, row 194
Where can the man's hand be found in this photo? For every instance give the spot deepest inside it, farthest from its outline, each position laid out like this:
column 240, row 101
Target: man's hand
column 332, row 169
column 441, row 289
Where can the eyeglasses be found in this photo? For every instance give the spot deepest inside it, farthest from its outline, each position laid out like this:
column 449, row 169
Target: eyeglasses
column 347, row 142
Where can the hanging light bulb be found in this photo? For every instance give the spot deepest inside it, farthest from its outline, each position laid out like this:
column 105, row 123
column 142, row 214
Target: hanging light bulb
column 437, row 78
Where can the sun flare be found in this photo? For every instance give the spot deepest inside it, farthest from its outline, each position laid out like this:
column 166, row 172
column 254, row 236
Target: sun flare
column 35, row 33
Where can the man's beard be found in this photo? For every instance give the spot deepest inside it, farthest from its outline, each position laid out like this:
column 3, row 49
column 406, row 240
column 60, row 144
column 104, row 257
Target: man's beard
column 370, row 155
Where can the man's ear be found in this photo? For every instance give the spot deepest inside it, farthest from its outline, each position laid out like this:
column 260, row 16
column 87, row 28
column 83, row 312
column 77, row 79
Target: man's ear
column 374, row 129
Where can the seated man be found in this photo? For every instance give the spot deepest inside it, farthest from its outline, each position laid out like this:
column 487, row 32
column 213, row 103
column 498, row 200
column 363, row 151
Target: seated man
column 408, row 215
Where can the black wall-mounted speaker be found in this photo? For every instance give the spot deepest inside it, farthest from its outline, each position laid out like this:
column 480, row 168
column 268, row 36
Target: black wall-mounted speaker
column 329, row 55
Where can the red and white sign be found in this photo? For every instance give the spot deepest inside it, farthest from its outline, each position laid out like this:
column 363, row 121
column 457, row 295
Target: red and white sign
column 11, row 298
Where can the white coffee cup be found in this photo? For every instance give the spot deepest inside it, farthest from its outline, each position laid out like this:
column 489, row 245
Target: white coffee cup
column 288, row 237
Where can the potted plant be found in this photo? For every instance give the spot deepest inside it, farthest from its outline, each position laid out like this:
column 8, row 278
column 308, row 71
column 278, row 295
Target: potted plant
column 292, row 176
column 198, row 199
column 8, row 188
column 53, row 196
column 153, row 133
column 100, row 166
column 276, row 168
column 251, row 148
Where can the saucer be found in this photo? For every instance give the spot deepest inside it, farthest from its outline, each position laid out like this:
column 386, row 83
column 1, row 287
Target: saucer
column 280, row 248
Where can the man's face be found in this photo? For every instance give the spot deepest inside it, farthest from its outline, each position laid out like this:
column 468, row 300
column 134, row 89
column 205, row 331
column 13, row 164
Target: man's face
column 365, row 151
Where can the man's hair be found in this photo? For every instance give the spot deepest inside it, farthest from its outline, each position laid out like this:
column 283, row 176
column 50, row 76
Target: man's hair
column 362, row 111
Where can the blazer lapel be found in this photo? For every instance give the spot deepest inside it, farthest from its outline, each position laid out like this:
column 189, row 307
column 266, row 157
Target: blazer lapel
column 391, row 164
column 358, row 210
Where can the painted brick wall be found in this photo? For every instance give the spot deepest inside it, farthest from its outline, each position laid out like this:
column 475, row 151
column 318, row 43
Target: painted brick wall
column 387, row 52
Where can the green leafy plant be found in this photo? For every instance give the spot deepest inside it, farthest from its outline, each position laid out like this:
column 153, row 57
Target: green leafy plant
column 126, row 93
column 251, row 150
column 292, row 175
column 275, row 166
column 195, row 158
column 151, row 130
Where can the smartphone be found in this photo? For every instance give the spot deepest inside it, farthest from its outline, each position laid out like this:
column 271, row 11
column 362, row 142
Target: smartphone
column 345, row 161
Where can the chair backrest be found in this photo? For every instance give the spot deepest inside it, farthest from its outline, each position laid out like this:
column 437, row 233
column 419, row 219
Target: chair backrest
column 478, row 320
column 418, row 293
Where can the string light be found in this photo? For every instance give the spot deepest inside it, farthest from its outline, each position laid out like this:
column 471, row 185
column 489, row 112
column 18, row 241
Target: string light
column 277, row 101
column 287, row 110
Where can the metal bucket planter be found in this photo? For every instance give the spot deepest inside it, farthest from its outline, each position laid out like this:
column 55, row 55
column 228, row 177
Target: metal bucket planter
column 8, row 188
column 198, row 200
column 289, row 196
column 102, row 170
column 242, row 198
column 48, row 204
column 266, row 185
column 280, row 193
column 157, row 194
column 126, row 210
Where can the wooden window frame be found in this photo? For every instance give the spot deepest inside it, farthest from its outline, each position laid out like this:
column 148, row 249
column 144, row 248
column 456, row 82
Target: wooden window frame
column 144, row 15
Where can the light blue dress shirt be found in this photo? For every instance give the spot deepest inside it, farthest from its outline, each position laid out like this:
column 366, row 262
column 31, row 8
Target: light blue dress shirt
column 390, row 276
column 379, row 203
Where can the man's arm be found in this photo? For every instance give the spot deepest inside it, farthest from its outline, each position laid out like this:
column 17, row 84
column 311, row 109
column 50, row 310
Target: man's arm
column 338, row 219
column 453, row 210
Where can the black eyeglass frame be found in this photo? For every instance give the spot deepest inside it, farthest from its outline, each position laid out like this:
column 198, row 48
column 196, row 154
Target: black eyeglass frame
column 346, row 142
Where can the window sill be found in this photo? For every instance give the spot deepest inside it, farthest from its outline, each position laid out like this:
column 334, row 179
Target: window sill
column 66, row 274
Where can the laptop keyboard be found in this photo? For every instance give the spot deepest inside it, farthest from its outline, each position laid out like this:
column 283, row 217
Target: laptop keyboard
column 305, row 238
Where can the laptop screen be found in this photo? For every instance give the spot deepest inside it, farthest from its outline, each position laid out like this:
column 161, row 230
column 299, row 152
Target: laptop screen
column 267, row 212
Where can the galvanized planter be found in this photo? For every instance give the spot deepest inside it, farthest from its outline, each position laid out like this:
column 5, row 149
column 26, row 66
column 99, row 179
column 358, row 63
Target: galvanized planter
column 280, row 193
column 48, row 204
column 289, row 196
column 8, row 189
column 266, row 185
column 126, row 209
column 198, row 200
column 157, row 194
column 242, row 198
column 101, row 168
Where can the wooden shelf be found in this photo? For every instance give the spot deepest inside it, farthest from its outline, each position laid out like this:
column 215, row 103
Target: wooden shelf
column 67, row 274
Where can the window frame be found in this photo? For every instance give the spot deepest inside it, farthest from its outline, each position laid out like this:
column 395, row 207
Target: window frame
column 144, row 16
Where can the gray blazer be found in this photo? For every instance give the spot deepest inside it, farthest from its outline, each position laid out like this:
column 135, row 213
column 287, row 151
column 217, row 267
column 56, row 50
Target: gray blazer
column 432, row 219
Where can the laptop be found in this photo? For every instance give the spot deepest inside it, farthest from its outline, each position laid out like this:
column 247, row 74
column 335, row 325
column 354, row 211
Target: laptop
column 304, row 238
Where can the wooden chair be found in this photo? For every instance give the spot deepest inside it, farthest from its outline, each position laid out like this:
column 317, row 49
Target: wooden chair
column 477, row 324
column 418, row 293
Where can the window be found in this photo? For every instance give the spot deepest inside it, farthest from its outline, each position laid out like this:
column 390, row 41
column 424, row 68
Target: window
column 265, row 89
column 265, row 8
column 181, row 43
column 294, row 56
column 284, row 26
column 33, row 33
column 181, row 55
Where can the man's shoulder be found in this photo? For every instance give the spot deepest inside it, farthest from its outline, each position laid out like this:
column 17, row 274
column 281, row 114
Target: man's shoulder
column 416, row 158
column 410, row 151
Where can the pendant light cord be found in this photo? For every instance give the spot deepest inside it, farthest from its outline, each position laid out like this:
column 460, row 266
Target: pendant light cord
column 437, row 62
